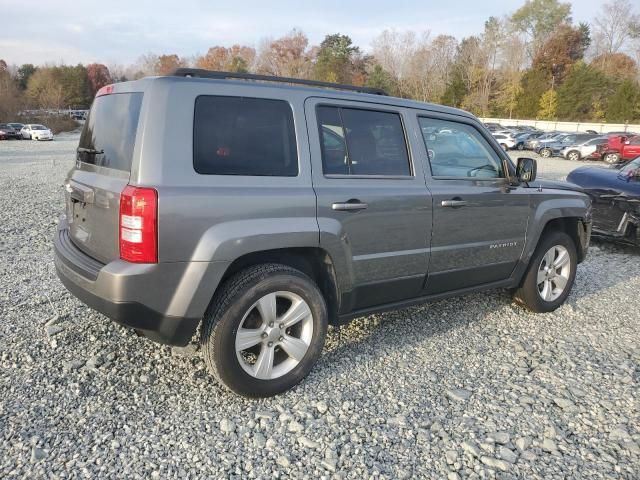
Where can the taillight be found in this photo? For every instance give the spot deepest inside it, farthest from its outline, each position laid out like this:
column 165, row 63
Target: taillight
column 139, row 225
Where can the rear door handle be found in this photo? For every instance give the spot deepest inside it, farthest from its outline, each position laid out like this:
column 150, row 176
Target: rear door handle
column 350, row 206
column 455, row 203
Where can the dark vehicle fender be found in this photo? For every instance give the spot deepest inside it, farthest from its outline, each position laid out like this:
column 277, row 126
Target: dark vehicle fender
column 226, row 245
column 571, row 214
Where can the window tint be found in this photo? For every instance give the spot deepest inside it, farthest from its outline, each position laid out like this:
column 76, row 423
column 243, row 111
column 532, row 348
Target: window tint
column 458, row 150
column 244, row 136
column 362, row 142
column 111, row 129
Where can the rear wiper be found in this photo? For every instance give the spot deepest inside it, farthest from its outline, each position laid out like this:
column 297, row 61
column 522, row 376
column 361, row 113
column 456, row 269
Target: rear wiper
column 91, row 151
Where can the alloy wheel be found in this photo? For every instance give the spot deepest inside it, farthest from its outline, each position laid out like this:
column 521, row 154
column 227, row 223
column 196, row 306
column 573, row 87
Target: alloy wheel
column 611, row 158
column 553, row 273
column 274, row 335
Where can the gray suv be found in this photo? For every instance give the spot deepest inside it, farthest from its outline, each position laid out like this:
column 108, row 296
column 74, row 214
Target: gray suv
column 263, row 211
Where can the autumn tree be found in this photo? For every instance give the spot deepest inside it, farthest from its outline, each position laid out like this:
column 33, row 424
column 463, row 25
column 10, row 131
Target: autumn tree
column 538, row 20
column 58, row 87
column 548, row 105
column 287, row 56
column 237, row 58
column 166, row 64
column 509, row 87
column 45, row 89
column 563, row 48
column 97, row 76
column 617, row 66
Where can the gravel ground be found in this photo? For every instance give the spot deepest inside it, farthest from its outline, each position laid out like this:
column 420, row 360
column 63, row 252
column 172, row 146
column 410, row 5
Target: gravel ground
column 473, row 387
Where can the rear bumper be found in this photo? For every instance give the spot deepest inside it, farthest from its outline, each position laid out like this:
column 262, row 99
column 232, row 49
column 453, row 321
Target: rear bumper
column 163, row 301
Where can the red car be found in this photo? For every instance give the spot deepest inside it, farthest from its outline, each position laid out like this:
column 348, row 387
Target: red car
column 621, row 148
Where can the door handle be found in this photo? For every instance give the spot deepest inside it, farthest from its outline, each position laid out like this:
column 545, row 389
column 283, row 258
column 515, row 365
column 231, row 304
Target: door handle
column 350, row 206
column 455, row 203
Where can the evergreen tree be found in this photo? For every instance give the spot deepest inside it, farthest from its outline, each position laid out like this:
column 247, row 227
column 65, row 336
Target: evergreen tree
column 582, row 88
column 534, row 83
column 624, row 105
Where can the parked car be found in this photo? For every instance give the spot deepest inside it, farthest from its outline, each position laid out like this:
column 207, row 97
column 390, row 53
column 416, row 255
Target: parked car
column 9, row 131
column 532, row 144
column 587, row 150
column 530, row 128
column 492, row 126
column 621, row 148
column 615, row 194
column 36, row 132
column 3, row 134
column 217, row 201
column 507, row 142
column 17, row 127
column 523, row 139
column 556, row 145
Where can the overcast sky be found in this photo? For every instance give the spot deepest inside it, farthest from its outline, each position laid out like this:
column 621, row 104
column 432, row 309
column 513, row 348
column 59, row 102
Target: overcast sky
column 119, row 31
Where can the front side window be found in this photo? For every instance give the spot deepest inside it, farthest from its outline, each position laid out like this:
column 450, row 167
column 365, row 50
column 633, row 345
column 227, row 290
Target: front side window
column 458, row 150
column 362, row 142
column 244, row 136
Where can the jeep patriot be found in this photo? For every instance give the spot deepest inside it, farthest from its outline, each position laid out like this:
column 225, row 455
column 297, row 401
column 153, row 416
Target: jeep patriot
column 259, row 210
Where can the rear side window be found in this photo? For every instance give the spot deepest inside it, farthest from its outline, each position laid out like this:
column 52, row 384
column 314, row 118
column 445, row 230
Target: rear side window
column 362, row 142
column 244, row 136
column 109, row 133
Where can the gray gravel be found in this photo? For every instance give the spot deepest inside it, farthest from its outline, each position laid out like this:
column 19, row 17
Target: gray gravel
column 465, row 388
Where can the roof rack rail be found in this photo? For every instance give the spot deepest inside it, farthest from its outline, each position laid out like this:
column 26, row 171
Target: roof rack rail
column 199, row 72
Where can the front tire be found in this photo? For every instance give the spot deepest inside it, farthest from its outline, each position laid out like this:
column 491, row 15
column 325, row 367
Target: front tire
column 550, row 275
column 573, row 155
column 265, row 330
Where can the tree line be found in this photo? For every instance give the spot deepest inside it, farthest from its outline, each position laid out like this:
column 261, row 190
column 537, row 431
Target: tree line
column 533, row 63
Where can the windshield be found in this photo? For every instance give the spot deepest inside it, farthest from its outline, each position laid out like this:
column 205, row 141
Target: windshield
column 631, row 169
column 38, row 127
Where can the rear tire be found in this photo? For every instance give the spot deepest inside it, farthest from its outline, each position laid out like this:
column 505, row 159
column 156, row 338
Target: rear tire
column 264, row 330
column 611, row 158
column 550, row 275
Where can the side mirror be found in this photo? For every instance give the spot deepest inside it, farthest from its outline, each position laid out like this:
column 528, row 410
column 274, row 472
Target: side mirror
column 526, row 170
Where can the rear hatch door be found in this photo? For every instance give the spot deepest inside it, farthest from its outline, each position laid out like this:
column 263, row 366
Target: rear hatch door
column 102, row 170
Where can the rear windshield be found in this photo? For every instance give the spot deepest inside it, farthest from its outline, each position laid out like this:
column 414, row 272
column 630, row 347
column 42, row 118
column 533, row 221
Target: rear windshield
column 109, row 133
